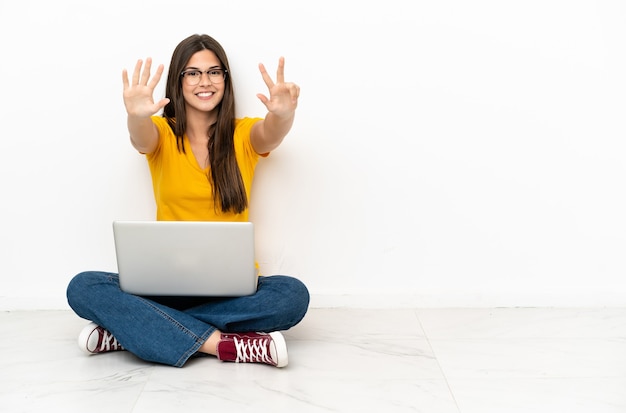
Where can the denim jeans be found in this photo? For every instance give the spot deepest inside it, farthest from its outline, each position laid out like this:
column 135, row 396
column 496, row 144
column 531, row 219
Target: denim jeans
column 170, row 330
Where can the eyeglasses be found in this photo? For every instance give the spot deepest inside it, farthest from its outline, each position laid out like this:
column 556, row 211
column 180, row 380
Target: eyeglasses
column 192, row 76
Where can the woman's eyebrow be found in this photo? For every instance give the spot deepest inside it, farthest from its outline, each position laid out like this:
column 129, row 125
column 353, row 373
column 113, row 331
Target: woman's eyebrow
column 197, row 68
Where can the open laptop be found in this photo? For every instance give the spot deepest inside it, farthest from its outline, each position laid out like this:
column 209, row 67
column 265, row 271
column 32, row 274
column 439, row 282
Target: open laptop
column 183, row 258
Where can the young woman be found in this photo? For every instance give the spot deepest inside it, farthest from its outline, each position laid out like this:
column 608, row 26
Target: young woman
column 202, row 162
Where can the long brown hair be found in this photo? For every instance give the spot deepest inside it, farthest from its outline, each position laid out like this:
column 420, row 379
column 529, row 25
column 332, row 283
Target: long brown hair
column 228, row 188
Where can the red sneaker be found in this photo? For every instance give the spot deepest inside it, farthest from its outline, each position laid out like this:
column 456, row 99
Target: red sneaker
column 253, row 348
column 94, row 339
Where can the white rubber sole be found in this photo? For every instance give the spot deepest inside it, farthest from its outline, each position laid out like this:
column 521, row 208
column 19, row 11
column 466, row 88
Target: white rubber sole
column 83, row 337
column 282, row 358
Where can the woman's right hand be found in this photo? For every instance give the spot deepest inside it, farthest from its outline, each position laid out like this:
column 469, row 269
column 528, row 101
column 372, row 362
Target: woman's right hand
column 138, row 93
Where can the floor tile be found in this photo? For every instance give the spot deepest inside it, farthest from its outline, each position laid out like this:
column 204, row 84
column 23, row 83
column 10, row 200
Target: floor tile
column 587, row 395
column 531, row 358
column 523, row 322
column 337, row 324
column 503, row 360
column 245, row 388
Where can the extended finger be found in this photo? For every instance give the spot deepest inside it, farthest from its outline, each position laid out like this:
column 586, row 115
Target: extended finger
column 280, row 72
column 157, row 76
column 137, row 71
column 266, row 77
column 125, row 79
column 145, row 76
column 161, row 104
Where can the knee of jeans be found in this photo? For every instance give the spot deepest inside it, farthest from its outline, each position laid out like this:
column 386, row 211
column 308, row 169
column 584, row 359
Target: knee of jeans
column 76, row 287
column 304, row 300
column 80, row 287
column 303, row 294
column 297, row 299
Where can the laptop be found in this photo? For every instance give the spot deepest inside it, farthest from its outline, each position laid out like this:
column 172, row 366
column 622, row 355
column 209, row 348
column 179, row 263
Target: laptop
column 185, row 258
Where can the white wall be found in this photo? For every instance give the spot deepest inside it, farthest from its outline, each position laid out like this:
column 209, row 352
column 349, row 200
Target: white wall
column 445, row 153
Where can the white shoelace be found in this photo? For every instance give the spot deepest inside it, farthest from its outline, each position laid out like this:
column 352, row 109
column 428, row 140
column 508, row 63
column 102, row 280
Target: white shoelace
column 109, row 342
column 252, row 350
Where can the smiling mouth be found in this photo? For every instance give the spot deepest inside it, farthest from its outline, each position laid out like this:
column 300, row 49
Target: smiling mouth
column 204, row 94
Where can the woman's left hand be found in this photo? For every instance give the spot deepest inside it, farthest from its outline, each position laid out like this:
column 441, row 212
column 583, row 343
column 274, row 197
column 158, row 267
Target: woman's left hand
column 283, row 98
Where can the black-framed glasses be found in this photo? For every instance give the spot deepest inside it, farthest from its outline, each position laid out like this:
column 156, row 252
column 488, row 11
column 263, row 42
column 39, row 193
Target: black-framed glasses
column 192, row 76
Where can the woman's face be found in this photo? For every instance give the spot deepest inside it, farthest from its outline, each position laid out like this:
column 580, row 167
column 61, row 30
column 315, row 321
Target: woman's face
column 206, row 94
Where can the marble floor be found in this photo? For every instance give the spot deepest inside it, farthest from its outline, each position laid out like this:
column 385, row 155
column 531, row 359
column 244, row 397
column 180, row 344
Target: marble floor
column 500, row 360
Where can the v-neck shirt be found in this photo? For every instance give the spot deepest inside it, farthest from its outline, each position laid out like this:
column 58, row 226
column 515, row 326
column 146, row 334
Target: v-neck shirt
column 182, row 190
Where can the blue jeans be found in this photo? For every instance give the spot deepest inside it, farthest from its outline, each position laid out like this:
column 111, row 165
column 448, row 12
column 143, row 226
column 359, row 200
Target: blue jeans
column 170, row 330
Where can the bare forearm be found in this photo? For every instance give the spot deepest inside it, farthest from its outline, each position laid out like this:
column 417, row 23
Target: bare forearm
column 275, row 128
column 143, row 133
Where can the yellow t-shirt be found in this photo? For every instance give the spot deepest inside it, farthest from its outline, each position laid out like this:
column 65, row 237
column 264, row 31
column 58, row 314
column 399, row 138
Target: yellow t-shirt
column 182, row 190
